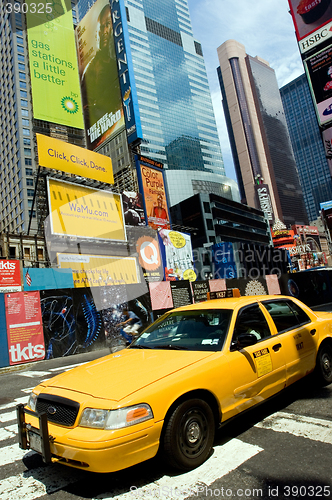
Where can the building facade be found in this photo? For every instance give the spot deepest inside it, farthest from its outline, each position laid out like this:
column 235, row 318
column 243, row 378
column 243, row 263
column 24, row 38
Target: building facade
column 261, row 147
column 174, row 101
column 307, row 145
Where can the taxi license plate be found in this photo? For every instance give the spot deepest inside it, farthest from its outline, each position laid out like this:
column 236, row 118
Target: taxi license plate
column 35, row 441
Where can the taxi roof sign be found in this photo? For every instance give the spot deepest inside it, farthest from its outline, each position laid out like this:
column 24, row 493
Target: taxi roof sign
column 224, row 294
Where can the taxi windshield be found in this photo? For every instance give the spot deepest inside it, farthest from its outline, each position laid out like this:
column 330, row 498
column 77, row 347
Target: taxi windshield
column 200, row 330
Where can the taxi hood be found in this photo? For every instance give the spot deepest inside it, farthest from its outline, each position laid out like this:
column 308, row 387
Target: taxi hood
column 122, row 373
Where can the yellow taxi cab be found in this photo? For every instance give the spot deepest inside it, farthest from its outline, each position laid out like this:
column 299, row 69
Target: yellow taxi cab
column 191, row 370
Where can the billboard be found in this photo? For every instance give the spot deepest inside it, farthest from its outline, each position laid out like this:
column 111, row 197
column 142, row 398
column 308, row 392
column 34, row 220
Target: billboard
column 83, row 212
column 133, row 208
column 102, row 102
column 264, row 200
column 126, row 71
column 59, row 155
column 24, row 327
column 319, row 72
column 10, row 276
column 327, row 139
column 309, row 15
column 100, row 270
column 56, row 94
column 177, row 255
column 152, row 185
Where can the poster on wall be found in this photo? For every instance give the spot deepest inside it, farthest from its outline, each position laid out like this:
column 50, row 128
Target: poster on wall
column 98, row 69
column 133, row 208
column 224, row 261
column 152, row 186
column 10, row 276
column 177, row 255
column 149, row 255
column 24, row 327
column 72, row 323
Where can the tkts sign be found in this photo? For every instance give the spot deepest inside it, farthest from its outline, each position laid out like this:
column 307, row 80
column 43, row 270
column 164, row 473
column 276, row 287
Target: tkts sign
column 264, row 200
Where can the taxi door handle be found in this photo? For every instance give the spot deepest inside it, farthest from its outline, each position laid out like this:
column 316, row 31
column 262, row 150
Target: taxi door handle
column 313, row 331
column 276, row 347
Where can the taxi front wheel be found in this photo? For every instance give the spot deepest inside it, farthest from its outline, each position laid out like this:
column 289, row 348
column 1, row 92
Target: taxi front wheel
column 189, row 434
column 324, row 364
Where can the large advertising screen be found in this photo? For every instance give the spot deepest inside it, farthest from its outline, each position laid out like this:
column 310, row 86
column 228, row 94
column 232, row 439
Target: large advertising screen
column 56, row 94
column 100, row 270
column 102, row 102
column 152, row 186
column 319, row 72
column 24, row 327
column 309, row 15
column 83, row 212
column 59, row 155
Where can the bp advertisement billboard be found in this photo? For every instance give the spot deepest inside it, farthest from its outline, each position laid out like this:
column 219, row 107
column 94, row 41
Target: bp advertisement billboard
column 83, row 212
column 102, row 102
column 56, row 94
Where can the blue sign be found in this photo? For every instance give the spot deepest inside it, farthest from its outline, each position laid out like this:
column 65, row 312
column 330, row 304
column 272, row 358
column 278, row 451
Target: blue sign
column 47, row 278
column 126, row 71
column 223, row 261
column 325, row 205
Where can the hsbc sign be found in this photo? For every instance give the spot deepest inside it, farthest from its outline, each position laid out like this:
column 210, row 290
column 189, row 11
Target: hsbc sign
column 316, row 38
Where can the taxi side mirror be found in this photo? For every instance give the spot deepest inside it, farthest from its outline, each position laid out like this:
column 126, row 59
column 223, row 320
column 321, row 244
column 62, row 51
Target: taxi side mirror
column 246, row 339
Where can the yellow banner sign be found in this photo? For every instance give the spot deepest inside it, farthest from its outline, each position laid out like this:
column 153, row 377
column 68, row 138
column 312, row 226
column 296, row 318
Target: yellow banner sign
column 83, row 212
column 60, row 155
column 99, row 270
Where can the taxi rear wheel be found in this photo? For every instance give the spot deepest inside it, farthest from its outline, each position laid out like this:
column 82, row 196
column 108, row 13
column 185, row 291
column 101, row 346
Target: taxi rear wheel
column 324, row 364
column 189, row 434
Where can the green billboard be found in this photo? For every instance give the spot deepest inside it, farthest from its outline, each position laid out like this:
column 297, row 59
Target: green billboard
column 56, row 94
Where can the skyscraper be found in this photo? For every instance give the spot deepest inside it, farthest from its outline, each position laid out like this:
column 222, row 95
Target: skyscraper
column 263, row 156
column 307, row 144
column 174, row 101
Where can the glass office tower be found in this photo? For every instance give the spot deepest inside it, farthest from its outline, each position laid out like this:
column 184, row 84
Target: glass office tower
column 307, row 144
column 174, row 100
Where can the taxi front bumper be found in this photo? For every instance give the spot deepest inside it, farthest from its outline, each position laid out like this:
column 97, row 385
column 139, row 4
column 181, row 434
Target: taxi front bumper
column 112, row 452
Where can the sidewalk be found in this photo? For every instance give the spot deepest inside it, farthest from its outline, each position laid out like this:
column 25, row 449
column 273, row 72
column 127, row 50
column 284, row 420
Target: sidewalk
column 57, row 362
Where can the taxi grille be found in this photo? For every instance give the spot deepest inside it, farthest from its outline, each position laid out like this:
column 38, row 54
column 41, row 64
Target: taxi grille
column 58, row 410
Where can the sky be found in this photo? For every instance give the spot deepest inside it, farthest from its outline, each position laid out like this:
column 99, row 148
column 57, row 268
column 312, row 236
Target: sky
column 264, row 27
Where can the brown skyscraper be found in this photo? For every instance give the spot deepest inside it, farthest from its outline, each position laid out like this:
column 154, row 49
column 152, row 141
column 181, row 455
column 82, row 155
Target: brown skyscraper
column 261, row 148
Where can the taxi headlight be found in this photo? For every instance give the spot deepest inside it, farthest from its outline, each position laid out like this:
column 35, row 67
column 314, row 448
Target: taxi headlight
column 116, row 419
column 33, row 401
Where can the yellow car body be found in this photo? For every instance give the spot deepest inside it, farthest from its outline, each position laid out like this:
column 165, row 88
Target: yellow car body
column 174, row 397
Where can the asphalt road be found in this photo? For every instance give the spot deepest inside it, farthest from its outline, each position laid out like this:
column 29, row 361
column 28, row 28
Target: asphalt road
column 282, row 450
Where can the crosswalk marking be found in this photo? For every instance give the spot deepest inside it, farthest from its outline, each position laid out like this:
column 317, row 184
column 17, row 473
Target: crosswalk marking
column 37, row 482
column 12, row 404
column 298, row 425
column 32, row 374
column 8, row 432
column 7, row 417
column 12, row 453
column 225, row 458
column 65, row 368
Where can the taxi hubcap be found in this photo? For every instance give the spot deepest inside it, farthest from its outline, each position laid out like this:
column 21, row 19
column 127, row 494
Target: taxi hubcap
column 327, row 364
column 194, row 432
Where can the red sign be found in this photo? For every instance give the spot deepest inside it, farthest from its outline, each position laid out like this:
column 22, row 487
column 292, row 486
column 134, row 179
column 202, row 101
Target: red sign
column 24, row 327
column 10, row 276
